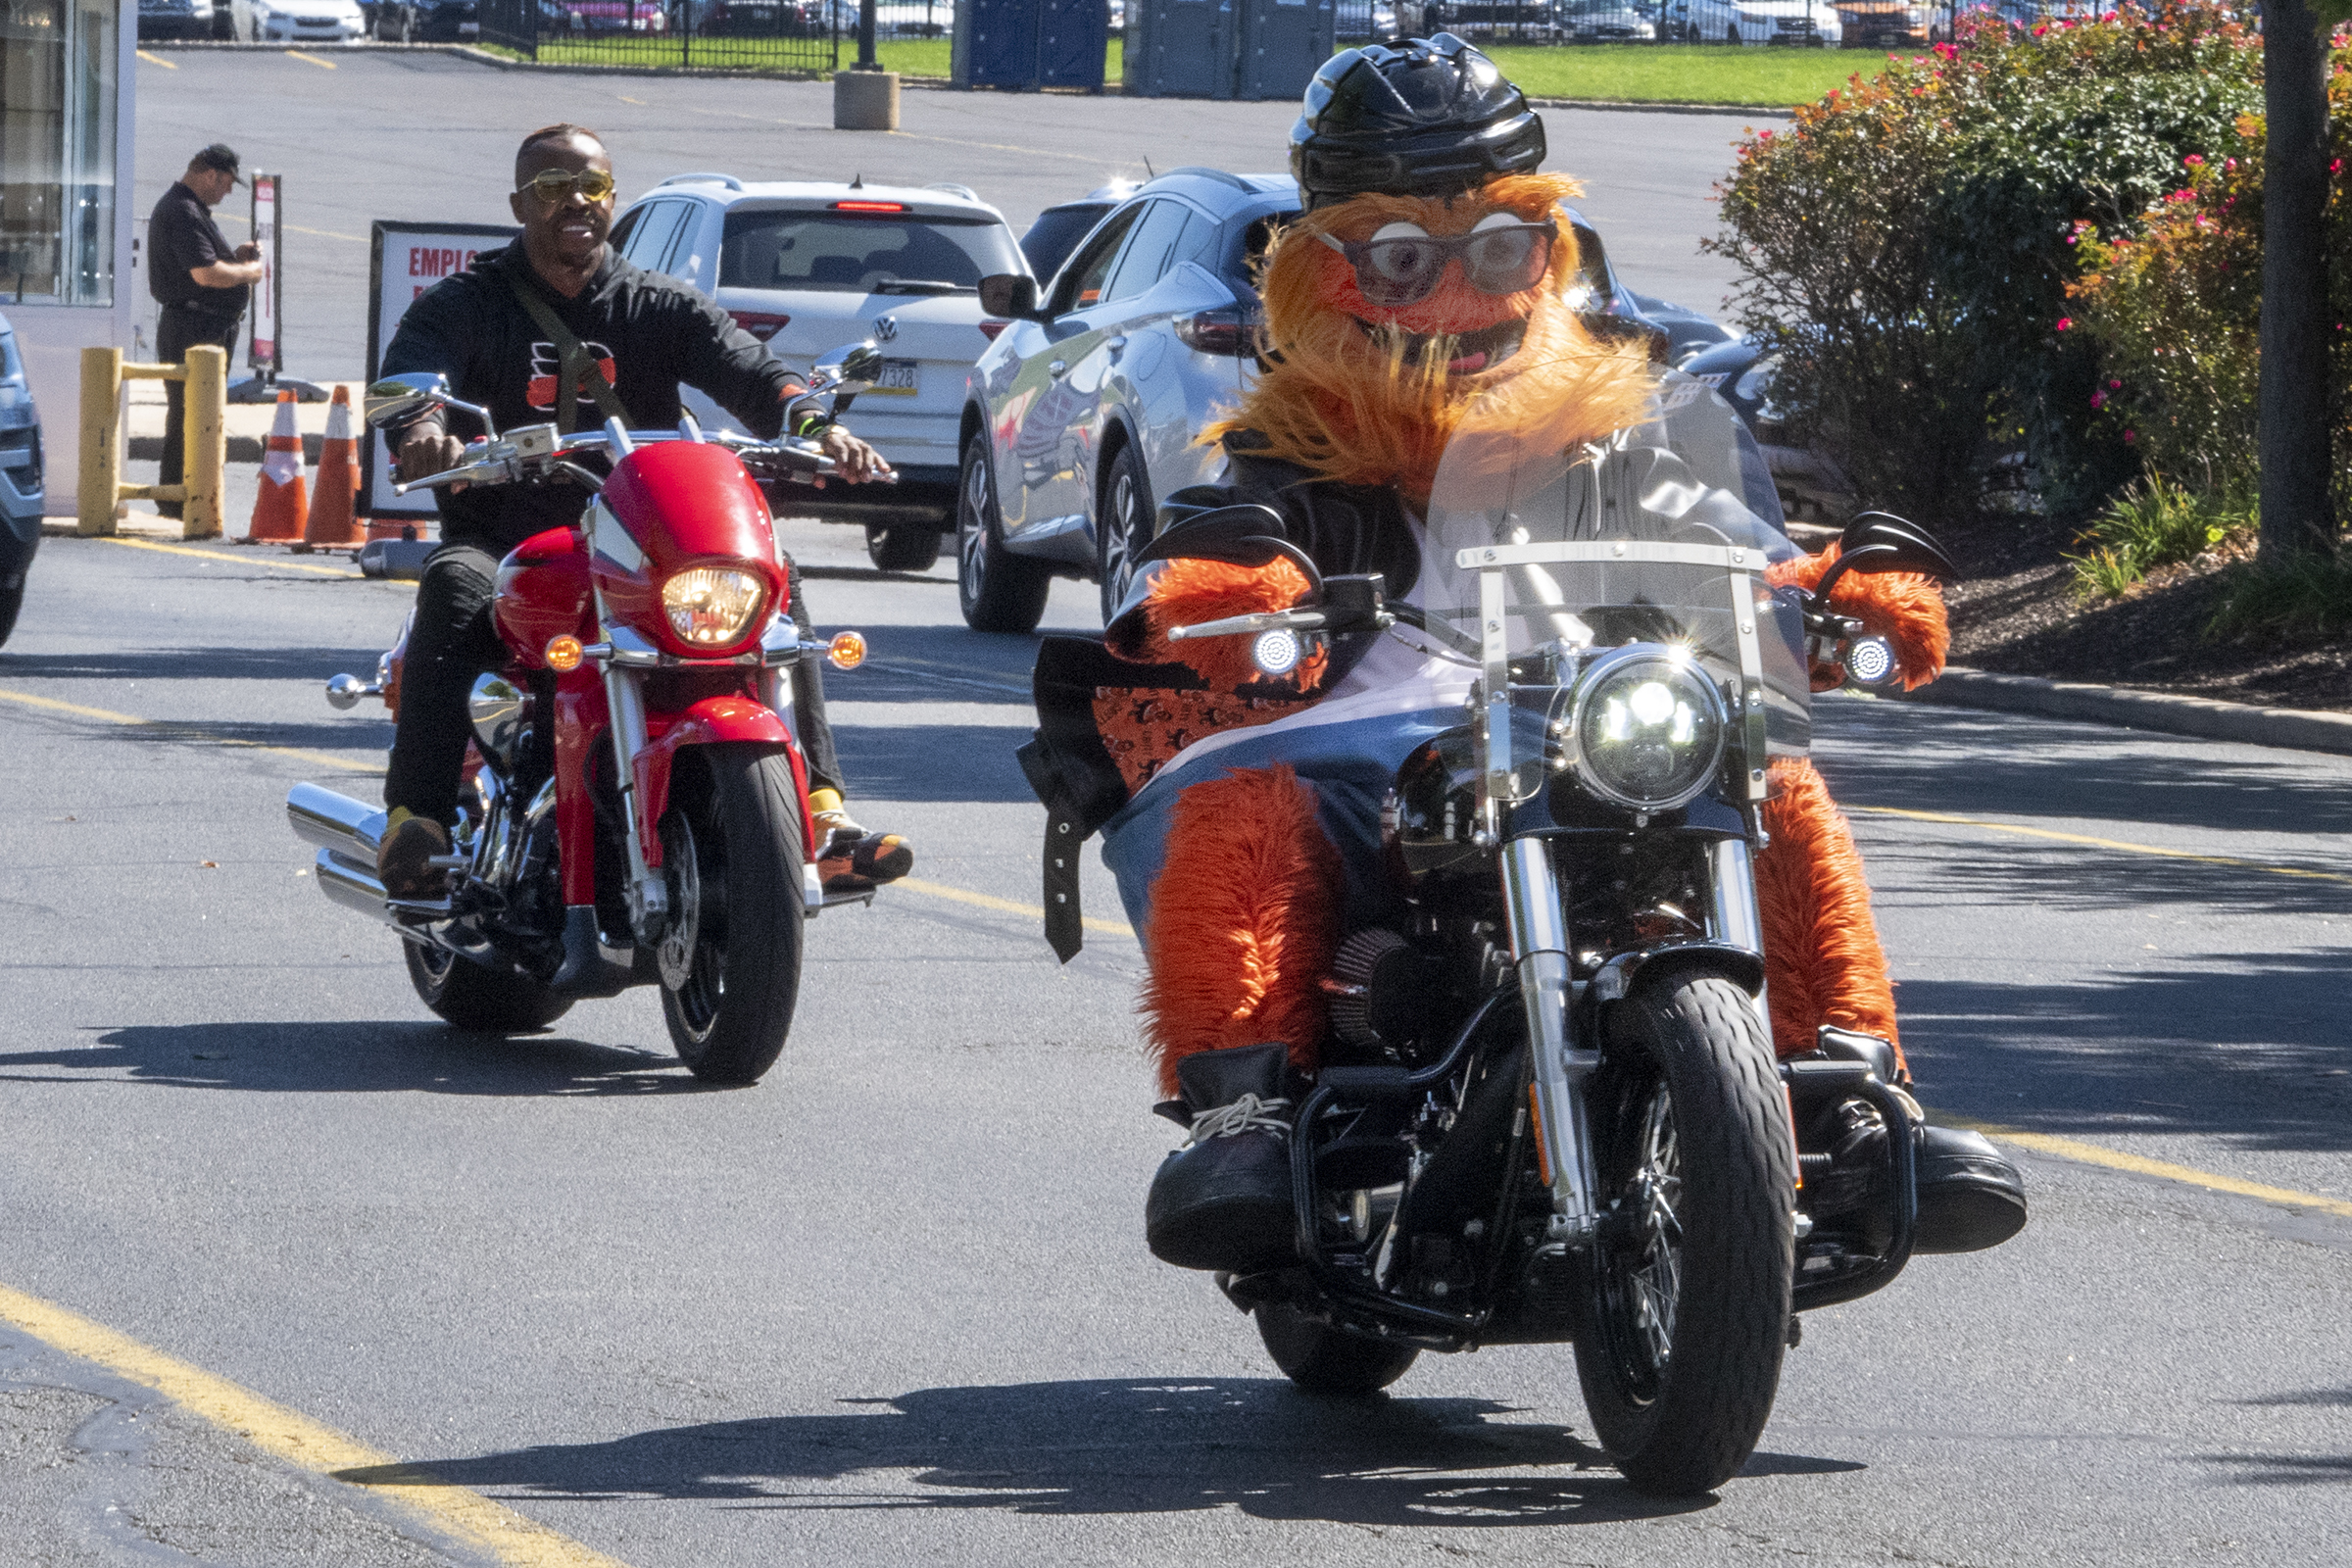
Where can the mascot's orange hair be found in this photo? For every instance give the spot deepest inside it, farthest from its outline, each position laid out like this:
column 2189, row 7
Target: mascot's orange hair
column 1903, row 607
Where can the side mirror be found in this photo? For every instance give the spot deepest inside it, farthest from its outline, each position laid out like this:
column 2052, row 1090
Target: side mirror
column 1878, row 541
column 1010, row 294
column 398, row 399
column 848, row 371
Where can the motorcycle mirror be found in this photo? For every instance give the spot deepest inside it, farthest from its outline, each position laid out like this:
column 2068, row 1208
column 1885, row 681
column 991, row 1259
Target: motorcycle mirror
column 397, row 399
column 1009, row 294
column 849, row 369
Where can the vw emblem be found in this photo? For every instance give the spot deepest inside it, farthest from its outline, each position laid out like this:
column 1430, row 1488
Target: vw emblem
column 886, row 329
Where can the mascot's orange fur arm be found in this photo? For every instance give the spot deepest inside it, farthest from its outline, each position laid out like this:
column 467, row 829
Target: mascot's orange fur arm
column 1902, row 606
column 1822, row 958
column 1188, row 591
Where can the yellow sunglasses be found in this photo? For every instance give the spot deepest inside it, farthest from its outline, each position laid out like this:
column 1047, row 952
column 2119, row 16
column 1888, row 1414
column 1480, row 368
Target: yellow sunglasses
column 551, row 185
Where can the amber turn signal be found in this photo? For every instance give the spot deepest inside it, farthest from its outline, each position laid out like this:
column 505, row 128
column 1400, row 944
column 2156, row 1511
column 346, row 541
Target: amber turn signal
column 847, row 649
column 562, row 655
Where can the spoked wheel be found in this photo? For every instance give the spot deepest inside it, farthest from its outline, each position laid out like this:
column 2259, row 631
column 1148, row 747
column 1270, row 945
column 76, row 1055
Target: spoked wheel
column 470, row 997
column 730, row 954
column 1123, row 528
column 1682, row 1328
column 995, row 589
column 1323, row 1360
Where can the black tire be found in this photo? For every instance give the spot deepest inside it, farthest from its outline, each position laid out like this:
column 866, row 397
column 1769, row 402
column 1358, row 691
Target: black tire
column 730, row 960
column 470, row 997
column 995, row 589
column 903, row 547
column 1683, row 1327
column 1324, row 1361
column 12, row 600
column 1122, row 526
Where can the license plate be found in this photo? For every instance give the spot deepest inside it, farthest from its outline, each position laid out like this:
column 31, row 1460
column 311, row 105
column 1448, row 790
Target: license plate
column 897, row 380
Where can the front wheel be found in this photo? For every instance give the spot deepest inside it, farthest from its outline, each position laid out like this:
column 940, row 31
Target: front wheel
column 1683, row 1327
column 995, row 589
column 901, row 546
column 1323, row 1360
column 486, row 1000
column 730, row 953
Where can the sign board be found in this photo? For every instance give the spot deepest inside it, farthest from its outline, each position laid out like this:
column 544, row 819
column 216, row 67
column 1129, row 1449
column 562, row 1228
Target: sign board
column 404, row 260
column 266, row 355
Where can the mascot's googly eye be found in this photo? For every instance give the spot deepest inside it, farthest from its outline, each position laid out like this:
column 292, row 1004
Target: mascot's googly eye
column 1276, row 653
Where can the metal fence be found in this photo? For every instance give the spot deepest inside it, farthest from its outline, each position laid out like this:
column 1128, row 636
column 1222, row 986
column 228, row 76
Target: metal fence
column 781, row 35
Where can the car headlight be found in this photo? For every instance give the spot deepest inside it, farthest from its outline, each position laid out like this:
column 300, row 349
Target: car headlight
column 710, row 606
column 1649, row 729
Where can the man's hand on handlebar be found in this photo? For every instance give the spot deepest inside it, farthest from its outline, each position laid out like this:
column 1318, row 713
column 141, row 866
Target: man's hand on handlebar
column 853, row 459
column 427, row 448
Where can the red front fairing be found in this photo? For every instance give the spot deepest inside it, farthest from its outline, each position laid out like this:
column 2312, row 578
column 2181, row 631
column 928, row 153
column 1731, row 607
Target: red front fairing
column 682, row 504
column 543, row 594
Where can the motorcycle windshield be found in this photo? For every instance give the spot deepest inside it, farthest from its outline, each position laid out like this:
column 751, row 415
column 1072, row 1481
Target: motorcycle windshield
column 1676, row 479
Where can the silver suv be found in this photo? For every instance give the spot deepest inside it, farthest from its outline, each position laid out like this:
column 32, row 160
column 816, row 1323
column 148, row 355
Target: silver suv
column 1083, row 412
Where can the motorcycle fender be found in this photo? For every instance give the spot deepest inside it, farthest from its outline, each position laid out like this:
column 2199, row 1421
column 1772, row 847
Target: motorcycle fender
column 713, row 722
column 1619, row 977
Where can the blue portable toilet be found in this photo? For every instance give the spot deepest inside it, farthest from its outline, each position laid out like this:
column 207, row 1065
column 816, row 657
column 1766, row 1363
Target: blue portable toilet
column 1245, row 49
column 1022, row 45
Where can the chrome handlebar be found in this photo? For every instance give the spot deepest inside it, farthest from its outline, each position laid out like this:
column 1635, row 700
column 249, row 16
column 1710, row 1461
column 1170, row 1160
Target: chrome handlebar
column 538, row 449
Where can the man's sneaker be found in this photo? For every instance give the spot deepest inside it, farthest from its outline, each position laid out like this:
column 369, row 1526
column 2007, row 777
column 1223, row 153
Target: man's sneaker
column 402, row 859
column 850, row 859
column 1223, row 1201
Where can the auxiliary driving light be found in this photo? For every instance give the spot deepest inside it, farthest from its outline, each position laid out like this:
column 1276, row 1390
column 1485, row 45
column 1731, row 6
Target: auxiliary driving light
column 847, row 649
column 1276, row 653
column 1870, row 662
column 562, row 655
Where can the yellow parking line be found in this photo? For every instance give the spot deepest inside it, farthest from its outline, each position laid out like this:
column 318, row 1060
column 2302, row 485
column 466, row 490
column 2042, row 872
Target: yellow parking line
column 254, row 559
column 2101, row 843
column 984, row 901
column 186, row 731
column 309, row 59
column 2074, row 1149
column 156, row 60
column 487, row 1526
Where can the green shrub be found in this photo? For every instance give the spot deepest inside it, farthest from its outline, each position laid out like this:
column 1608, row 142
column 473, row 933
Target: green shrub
column 2152, row 523
column 1907, row 244
column 2308, row 597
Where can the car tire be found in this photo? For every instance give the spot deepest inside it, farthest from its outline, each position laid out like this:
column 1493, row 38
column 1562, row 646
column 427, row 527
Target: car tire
column 1122, row 526
column 995, row 589
column 1731, row 36
column 12, row 600
column 903, row 547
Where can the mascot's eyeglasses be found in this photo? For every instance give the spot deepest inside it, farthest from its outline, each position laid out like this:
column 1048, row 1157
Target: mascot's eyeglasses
column 1392, row 270
column 551, row 185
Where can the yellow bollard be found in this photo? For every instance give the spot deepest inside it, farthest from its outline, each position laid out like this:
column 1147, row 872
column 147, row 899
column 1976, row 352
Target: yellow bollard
column 100, row 481
column 206, row 446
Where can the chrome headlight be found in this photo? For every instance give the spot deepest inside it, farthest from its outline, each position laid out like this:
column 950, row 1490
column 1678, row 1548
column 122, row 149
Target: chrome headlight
column 1649, row 729
column 711, row 607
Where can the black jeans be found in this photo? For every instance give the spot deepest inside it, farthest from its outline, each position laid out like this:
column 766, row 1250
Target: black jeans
column 176, row 331
column 454, row 640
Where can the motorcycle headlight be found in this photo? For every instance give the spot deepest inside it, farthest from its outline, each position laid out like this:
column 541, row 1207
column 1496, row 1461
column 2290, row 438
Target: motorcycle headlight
column 1649, row 729
column 710, row 606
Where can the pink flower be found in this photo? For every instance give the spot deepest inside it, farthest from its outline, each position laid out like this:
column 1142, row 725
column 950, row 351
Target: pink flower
column 1948, row 51
column 2193, row 161
column 2098, row 400
column 2182, row 196
column 2130, row 437
column 2065, row 321
column 2336, row 167
column 2040, row 27
column 2115, row 386
column 2071, row 238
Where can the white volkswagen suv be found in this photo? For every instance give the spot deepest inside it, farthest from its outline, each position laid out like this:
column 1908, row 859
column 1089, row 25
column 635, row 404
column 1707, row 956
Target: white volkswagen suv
column 807, row 268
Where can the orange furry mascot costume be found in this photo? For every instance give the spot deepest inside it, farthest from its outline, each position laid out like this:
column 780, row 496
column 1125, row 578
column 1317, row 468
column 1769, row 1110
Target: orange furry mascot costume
column 1391, row 315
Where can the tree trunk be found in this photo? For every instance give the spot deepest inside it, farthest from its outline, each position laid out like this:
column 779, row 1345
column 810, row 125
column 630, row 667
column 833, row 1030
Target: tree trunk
column 2297, row 517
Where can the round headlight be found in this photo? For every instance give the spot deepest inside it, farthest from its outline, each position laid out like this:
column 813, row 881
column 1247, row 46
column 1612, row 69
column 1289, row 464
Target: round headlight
column 1649, row 729
column 710, row 606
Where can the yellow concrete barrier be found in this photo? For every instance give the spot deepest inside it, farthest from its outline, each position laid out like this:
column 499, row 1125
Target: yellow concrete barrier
column 205, row 448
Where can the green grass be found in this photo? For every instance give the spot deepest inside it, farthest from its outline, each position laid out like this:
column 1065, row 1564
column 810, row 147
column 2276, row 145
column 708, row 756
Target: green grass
column 908, row 57
column 2153, row 523
column 2306, row 599
column 1700, row 74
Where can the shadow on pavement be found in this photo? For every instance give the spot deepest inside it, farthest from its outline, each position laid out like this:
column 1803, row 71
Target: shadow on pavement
column 1112, row 1447
column 354, row 1058
column 201, row 664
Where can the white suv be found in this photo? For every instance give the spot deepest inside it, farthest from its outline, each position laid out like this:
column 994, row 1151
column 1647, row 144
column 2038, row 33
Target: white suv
column 807, row 268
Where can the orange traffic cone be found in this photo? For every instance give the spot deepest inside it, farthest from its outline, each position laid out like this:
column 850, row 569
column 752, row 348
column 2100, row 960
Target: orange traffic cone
column 281, row 508
column 333, row 523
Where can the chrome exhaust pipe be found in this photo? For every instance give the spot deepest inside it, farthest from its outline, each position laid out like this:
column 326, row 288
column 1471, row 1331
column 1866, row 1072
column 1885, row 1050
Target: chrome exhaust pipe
column 350, row 886
column 351, row 828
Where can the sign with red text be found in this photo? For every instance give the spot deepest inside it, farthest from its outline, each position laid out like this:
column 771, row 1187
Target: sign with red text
column 406, row 259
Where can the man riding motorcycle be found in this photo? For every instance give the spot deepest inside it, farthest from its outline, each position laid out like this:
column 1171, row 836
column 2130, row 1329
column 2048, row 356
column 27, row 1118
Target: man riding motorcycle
column 1428, row 272
column 559, row 326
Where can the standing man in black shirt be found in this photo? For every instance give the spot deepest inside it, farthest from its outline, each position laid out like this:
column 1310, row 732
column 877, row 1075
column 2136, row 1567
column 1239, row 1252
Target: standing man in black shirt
column 635, row 336
column 201, row 283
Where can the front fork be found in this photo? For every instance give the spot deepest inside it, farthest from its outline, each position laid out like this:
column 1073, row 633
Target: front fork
column 1562, row 1067
column 646, row 894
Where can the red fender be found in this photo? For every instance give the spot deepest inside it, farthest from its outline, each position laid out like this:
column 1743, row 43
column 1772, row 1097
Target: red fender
column 709, row 722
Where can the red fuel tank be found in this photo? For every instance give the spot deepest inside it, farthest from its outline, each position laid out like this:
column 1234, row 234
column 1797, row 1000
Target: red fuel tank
column 543, row 594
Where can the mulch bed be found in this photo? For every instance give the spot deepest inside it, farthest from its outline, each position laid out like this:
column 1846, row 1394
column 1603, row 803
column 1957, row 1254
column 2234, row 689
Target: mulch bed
column 2014, row 612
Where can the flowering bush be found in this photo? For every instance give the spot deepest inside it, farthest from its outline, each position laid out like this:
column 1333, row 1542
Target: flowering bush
column 1908, row 242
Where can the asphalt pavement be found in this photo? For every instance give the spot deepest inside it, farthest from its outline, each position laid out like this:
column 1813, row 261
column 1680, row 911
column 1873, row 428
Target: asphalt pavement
column 892, row 1304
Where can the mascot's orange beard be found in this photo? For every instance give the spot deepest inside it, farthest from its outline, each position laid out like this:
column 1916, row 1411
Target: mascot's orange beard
column 1365, row 394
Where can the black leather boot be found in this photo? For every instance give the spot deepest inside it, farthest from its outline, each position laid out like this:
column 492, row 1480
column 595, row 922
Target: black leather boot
column 1969, row 1196
column 1223, row 1201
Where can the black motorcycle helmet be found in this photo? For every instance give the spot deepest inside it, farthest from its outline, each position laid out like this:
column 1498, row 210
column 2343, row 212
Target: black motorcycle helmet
column 1416, row 117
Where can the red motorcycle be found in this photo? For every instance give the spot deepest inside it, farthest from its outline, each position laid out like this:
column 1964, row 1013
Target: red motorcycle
column 636, row 812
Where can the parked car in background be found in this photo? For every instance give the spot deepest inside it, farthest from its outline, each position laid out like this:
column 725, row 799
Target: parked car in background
column 297, row 21
column 1890, row 23
column 807, row 267
column 176, row 19
column 20, row 480
column 1082, row 415
column 1057, row 231
column 1487, row 18
column 604, row 15
column 427, row 21
column 1811, row 24
column 1607, row 21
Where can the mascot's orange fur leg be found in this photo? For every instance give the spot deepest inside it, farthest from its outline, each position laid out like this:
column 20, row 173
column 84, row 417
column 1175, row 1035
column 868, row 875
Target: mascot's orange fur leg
column 1245, row 920
column 1822, row 960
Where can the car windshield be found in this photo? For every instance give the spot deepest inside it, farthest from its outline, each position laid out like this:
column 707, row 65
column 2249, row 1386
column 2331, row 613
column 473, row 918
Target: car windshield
column 855, row 254
column 1056, row 232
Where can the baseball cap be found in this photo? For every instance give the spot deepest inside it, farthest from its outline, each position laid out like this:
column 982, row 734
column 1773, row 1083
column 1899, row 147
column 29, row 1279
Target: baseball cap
column 221, row 156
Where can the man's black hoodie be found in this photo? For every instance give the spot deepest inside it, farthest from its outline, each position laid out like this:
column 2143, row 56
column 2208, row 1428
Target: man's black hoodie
column 649, row 331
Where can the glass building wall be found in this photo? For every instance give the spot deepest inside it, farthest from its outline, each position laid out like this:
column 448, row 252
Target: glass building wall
column 57, row 152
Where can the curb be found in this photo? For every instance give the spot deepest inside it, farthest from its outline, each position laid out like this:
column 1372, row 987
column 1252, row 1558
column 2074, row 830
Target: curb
column 2166, row 713
column 1621, row 106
